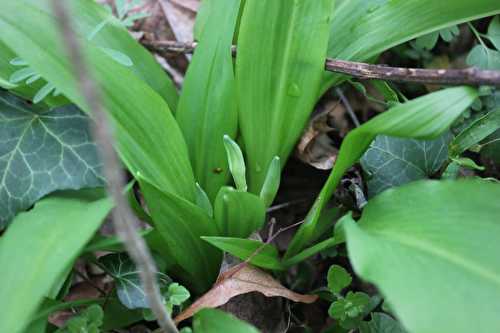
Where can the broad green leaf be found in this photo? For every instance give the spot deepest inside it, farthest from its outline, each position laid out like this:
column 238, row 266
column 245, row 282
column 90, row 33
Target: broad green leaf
column 494, row 32
column 113, row 36
column 475, row 133
column 216, row 321
column 127, row 279
column 150, row 142
column 362, row 29
column 39, row 246
column 278, row 77
column 484, row 58
column 271, row 182
column 208, row 108
column 42, row 151
column 180, row 225
column 7, row 69
column 236, row 163
column 338, row 278
column 391, row 161
column 432, row 249
column 264, row 255
column 381, row 323
column 238, row 214
column 423, row 118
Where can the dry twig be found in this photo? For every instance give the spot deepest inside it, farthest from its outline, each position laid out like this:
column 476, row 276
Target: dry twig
column 124, row 220
column 469, row 76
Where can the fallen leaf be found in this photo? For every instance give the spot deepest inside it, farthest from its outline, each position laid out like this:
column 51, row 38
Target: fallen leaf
column 238, row 280
column 181, row 19
column 192, row 5
column 315, row 146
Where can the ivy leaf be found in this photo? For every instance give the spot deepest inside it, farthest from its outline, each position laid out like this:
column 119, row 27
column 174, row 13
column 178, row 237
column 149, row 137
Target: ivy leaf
column 381, row 323
column 494, row 32
column 338, row 278
column 394, row 161
column 128, row 282
column 42, row 151
column 349, row 307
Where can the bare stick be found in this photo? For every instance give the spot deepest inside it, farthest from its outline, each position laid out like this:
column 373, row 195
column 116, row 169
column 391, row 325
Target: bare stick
column 124, row 220
column 469, row 76
column 348, row 107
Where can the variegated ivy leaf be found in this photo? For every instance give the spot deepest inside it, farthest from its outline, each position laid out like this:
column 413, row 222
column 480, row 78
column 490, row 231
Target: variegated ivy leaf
column 42, row 151
column 127, row 279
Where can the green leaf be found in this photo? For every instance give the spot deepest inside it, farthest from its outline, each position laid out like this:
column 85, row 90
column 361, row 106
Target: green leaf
column 427, row 42
column 238, row 214
column 177, row 294
column 114, row 36
column 127, row 278
column 385, row 89
column 381, row 323
column 423, row 118
column 448, row 34
column 141, row 118
column 207, row 108
column 42, row 151
column 180, row 225
column 494, row 32
column 203, row 201
column 338, row 278
column 279, row 76
column 271, row 182
column 362, row 29
column 412, row 252
column 349, row 307
column 89, row 321
column 266, row 257
column 216, row 321
column 393, row 161
column 236, row 163
column 475, row 133
column 484, row 58
column 39, row 246
column 118, row 56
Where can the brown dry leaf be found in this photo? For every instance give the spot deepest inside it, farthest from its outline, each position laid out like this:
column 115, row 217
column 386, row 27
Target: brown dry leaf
column 242, row 279
column 181, row 16
column 315, row 146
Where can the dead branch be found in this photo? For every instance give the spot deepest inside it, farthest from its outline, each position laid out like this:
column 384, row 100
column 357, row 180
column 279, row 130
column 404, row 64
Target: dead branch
column 124, row 220
column 362, row 71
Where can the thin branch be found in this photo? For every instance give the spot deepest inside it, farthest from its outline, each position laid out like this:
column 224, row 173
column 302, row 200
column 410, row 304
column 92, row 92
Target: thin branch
column 469, row 76
column 124, row 220
column 348, row 107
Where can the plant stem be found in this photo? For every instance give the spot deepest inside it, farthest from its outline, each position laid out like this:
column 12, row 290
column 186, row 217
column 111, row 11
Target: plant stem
column 124, row 220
